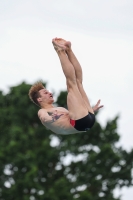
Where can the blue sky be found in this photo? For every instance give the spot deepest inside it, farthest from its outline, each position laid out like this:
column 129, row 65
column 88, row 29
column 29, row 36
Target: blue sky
column 101, row 33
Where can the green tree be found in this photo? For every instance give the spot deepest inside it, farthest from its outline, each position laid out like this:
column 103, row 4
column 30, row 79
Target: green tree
column 32, row 168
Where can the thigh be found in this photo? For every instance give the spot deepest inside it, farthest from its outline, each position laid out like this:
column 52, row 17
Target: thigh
column 76, row 105
column 84, row 96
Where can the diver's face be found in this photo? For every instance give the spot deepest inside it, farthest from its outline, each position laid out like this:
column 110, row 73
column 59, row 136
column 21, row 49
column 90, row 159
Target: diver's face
column 45, row 96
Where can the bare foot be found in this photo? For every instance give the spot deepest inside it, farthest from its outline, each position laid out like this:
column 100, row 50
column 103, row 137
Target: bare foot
column 61, row 43
column 58, row 45
column 65, row 43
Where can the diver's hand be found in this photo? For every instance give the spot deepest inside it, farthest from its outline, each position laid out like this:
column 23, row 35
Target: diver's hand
column 97, row 106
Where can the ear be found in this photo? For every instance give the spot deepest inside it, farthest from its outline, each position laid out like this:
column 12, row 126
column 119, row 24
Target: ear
column 39, row 99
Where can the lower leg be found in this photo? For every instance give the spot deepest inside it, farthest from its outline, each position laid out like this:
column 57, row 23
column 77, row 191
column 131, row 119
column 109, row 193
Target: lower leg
column 76, row 64
column 67, row 66
column 66, row 45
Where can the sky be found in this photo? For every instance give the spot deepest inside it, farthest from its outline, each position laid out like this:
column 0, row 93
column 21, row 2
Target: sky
column 101, row 33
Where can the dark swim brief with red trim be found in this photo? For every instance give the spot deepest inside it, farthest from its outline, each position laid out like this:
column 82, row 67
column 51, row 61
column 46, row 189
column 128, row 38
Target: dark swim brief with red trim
column 84, row 123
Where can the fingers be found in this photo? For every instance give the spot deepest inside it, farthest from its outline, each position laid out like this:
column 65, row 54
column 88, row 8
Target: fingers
column 54, row 113
column 100, row 107
column 97, row 105
column 98, row 101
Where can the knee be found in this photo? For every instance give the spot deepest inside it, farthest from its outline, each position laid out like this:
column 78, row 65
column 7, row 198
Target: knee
column 71, row 83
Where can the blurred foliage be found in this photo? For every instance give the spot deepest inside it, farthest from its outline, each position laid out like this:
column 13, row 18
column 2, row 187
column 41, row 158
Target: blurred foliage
column 61, row 99
column 32, row 168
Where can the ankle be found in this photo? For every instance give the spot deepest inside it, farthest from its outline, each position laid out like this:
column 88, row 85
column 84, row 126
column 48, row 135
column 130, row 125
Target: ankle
column 60, row 51
column 68, row 51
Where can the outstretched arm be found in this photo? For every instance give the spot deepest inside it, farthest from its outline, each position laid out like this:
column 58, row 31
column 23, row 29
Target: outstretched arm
column 97, row 106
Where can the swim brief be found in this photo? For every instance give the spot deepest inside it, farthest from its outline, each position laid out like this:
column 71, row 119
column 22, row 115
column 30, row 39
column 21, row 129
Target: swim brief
column 84, row 123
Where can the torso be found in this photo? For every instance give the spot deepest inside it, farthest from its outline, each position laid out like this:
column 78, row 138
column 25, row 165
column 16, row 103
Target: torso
column 62, row 124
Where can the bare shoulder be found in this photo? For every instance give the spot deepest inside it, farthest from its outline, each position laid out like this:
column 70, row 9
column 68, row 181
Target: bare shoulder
column 42, row 112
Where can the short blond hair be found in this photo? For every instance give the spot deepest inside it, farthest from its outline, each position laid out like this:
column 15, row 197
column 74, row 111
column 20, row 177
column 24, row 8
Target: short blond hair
column 34, row 92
